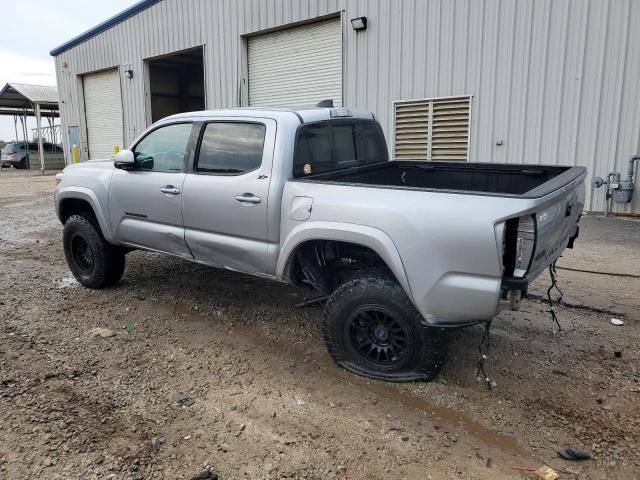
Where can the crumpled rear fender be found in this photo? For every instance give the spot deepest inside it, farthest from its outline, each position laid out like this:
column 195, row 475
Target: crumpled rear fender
column 370, row 237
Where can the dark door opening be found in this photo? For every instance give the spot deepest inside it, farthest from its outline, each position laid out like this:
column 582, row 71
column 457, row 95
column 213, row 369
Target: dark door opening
column 176, row 83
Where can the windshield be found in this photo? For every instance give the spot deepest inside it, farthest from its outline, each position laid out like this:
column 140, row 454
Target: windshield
column 338, row 144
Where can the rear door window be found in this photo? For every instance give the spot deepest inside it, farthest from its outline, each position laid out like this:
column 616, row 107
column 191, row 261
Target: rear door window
column 231, row 148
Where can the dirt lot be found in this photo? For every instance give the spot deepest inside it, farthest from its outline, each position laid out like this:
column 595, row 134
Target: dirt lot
column 267, row 401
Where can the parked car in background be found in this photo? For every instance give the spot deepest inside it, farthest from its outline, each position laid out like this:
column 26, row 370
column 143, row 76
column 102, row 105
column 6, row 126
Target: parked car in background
column 400, row 250
column 16, row 155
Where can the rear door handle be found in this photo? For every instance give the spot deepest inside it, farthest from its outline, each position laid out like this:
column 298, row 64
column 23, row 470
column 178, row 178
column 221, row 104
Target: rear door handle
column 170, row 189
column 248, row 198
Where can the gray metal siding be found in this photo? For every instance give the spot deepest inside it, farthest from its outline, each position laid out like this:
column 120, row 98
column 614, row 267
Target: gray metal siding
column 557, row 81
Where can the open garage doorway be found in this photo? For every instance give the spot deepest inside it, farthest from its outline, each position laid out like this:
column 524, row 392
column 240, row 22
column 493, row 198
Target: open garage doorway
column 176, row 83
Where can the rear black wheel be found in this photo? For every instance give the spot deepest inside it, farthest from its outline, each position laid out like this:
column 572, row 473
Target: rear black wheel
column 92, row 260
column 379, row 337
column 373, row 329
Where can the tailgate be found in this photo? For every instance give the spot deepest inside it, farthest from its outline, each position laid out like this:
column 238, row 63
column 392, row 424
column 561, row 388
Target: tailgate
column 556, row 226
column 535, row 240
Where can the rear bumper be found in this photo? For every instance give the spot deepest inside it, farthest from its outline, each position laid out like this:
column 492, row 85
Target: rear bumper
column 514, row 283
column 12, row 161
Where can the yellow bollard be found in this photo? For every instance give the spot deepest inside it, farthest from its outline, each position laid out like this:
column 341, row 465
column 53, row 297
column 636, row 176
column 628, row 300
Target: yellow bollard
column 74, row 154
column 116, row 149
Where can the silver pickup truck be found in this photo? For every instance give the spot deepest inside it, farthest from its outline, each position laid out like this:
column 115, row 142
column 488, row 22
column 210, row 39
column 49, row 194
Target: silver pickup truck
column 398, row 249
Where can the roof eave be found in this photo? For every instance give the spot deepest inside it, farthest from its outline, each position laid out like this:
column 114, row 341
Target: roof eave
column 107, row 24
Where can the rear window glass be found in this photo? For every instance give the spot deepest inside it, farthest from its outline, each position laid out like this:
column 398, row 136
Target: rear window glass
column 338, row 144
column 13, row 146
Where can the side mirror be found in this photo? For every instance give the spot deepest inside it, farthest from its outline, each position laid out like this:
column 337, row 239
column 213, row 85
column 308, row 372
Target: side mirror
column 124, row 159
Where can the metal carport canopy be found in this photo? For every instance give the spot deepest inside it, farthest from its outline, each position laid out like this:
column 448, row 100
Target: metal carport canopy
column 20, row 96
column 20, row 99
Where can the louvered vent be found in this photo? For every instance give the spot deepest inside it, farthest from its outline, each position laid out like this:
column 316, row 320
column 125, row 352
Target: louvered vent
column 412, row 130
column 450, row 129
column 432, row 129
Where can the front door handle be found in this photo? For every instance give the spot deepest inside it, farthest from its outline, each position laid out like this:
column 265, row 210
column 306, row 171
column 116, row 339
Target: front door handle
column 170, row 189
column 248, row 198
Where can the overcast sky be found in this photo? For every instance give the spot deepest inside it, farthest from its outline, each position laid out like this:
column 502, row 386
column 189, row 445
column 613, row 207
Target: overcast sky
column 32, row 28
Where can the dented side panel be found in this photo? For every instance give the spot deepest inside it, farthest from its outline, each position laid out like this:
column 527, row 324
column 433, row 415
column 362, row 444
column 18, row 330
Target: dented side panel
column 450, row 246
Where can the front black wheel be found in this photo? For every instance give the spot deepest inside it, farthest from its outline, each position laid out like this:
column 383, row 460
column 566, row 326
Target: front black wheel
column 92, row 260
column 372, row 329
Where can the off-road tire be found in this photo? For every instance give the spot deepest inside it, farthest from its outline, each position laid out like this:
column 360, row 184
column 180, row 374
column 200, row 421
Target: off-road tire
column 102, row 265
column 374, row 291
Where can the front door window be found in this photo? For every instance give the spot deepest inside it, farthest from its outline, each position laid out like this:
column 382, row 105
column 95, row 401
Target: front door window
column 164, row 149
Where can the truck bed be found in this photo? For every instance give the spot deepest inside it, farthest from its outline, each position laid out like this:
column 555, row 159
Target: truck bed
column 526, row 181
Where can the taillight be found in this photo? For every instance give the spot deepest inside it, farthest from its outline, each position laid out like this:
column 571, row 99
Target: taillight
column 526, row 244
column 519, row 245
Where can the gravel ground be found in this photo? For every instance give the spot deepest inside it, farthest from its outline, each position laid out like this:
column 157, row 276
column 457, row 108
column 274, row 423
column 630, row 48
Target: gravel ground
column 207, row 369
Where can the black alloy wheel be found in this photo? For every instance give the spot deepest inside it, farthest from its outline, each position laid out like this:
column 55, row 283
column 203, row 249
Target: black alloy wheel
column 379, row 337
column 371, row 328
column 93, row 261
column 82, row 254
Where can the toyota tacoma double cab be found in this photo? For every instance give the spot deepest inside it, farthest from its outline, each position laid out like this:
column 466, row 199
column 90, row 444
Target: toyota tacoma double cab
column 399, row 250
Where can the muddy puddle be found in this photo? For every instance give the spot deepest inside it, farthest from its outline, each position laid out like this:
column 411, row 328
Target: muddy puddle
column 316, row 359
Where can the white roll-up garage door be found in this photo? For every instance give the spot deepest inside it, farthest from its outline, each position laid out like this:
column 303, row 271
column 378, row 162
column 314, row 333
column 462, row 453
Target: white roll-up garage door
column 296, row 67
column 103, row 110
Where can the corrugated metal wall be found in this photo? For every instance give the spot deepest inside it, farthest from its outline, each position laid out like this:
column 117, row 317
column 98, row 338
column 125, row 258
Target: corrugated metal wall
column 556, row 81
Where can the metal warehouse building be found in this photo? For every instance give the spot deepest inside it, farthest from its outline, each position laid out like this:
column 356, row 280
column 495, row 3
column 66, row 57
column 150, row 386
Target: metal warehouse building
column 520, row 81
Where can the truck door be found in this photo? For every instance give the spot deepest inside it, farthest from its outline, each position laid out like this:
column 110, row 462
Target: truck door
column 145, row 202
column 225, row 198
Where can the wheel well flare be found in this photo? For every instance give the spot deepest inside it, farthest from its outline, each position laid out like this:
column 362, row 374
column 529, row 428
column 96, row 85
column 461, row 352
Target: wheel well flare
column 74, row 206
column 322, row 265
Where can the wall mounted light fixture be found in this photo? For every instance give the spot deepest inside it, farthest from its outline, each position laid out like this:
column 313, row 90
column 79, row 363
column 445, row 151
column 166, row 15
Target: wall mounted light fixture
column 127, row 70
column 359, row 23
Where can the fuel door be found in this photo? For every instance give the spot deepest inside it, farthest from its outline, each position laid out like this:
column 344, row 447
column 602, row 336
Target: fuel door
column 301, row 208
